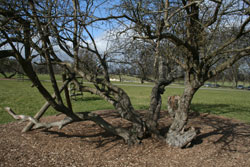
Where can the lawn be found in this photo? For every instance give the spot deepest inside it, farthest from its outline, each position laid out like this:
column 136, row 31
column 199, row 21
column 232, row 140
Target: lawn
column 22, row 98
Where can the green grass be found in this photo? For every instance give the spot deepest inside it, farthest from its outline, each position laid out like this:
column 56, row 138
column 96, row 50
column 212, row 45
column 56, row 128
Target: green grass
column 46, row 77
column 24, row 99
column 231, row 103
column 20, row 97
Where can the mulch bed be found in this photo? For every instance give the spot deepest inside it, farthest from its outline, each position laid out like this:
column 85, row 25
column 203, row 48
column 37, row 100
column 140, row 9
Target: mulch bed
column 221, row 142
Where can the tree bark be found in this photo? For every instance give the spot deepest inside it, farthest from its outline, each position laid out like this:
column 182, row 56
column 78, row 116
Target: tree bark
column 6, row 53
column 66, row 93
column 163, row 79
column 178, row 135
column 125, row 134
column 121, row 101
column 155, row 108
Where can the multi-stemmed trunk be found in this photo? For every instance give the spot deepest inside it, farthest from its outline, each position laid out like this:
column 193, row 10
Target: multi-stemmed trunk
column 178, row 134
column 164, row 77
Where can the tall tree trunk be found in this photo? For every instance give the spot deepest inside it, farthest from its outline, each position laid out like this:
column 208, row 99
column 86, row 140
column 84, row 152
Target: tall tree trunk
column 178, row 135
column 235, row 75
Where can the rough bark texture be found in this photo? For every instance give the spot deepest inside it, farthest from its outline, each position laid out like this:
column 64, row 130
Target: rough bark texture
column 153, row 114
column 178, row 135
column 173, row 104
column 121, row 102
column 159, row 88
column 66, row 93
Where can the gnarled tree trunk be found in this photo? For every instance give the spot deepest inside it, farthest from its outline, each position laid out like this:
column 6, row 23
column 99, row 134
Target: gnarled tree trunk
column 121, row 102
column 178, row 135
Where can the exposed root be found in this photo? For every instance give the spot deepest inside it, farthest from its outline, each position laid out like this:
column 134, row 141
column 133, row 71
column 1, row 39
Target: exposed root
column 181, row 139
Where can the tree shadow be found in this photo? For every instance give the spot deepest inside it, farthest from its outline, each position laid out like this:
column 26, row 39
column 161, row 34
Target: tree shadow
column 228, row 134
column 211, row 108
column 92, row 98
column 100, row 138
column 220, row 109
column 87, row 98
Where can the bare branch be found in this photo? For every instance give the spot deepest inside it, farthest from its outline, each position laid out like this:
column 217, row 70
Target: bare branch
column 247, row 2
column 228, row 63
column 166, row 20
column 125, row 134
column 45, row 107
column 6, row 53
column 215, row 15
column 230, row 41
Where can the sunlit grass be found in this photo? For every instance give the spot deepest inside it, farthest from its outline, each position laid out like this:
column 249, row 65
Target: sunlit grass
column 22, row 98
column 230, row 103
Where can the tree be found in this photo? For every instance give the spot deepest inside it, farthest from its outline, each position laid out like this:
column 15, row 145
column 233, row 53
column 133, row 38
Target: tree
column 193, row 28
column 39, row 29
column 8, row 65
column 134, row 54
column 188, row 30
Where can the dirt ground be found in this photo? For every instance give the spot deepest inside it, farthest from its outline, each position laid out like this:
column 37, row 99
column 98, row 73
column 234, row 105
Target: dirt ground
column 221, row 142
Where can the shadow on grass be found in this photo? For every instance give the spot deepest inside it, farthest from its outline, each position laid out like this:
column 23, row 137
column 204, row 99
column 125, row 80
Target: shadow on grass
column 220, row 109
column 211, row 108
column 83, row 98
column 230, row 135
column 92, row 98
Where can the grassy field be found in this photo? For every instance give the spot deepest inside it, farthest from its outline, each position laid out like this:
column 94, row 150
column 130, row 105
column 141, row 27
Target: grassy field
column 22, row 98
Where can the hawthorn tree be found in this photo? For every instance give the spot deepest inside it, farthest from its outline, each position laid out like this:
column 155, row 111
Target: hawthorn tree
column 188, row 30
column 59, row 30
column 201, row 43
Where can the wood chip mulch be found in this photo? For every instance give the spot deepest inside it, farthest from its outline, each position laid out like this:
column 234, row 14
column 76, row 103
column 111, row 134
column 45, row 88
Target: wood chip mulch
column 221, row 142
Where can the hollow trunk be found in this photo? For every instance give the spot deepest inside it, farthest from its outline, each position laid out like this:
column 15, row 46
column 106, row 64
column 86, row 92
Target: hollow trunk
column 178, row 135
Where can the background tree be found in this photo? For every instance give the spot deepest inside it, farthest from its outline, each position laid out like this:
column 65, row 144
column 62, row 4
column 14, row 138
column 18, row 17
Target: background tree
column 134, row 54
column 9, row 67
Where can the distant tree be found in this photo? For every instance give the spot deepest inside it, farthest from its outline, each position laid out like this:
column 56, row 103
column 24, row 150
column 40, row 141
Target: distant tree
column 9, row 67
column 138, row 56
column 234, row 70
